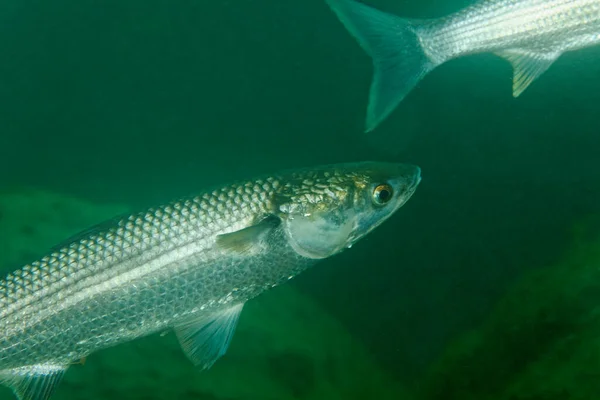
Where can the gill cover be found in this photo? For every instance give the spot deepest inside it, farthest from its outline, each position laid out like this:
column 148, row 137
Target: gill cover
column 319, row 235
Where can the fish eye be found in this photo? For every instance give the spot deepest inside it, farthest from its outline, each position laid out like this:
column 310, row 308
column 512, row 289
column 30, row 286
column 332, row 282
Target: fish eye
column 382, row 193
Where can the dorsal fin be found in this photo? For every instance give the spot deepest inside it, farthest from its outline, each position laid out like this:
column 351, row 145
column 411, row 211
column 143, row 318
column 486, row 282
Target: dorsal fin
column 90, row 231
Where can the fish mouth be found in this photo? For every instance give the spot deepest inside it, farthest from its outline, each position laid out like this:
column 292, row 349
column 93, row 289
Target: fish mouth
column 412, row 188
column 416, row 177
column 408, row 185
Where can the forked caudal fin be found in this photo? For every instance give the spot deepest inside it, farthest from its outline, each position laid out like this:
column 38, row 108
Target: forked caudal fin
column 399, row 61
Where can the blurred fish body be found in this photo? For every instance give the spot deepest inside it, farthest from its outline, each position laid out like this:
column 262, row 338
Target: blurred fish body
column 189, row 265
column 530, row 34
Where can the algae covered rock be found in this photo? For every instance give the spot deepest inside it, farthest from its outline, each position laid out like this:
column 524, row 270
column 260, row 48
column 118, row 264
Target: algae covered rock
column 285, row 347
column 541, row 342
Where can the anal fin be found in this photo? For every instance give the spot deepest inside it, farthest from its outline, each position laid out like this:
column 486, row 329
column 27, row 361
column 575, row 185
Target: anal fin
column 205, row 340
column 527, row 66
column 33, row 382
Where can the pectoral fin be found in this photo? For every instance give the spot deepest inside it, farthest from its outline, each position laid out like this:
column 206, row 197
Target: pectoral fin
column 527, row 66
column 204, row 341
column 245, row 240
column 34, row 382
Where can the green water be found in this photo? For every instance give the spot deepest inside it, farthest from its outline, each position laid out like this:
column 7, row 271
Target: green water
column 137, row 102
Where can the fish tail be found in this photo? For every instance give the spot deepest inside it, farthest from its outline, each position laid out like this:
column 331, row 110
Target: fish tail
column 399, row 61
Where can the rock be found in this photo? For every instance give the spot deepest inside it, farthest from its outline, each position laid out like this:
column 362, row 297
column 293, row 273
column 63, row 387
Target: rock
column 541, row 342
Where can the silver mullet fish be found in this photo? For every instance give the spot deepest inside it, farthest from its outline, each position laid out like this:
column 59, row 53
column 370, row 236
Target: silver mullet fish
column 530, row 34
column 189, row 265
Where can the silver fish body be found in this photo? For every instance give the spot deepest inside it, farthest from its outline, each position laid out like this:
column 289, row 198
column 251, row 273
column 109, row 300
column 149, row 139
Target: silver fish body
column 531, row 34
column 189, row 265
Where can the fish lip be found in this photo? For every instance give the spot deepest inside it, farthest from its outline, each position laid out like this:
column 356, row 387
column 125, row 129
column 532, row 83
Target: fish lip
column 408, row 180
column 414, row 185
column 408, row 176
column 416, row 177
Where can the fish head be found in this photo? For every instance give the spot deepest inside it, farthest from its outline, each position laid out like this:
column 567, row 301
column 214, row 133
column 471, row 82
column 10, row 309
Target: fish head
column 326, row 210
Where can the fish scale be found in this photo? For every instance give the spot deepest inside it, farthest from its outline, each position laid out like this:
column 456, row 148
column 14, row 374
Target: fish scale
column 189, row 265
column 83, row 267
column 128, row 237
column 541, row 25
column 530, row 34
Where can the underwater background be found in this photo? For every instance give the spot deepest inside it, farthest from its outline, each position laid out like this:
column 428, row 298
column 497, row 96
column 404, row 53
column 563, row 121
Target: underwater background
column 485, row 285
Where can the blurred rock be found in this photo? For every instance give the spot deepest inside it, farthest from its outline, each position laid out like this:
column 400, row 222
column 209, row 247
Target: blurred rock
column 541, row 342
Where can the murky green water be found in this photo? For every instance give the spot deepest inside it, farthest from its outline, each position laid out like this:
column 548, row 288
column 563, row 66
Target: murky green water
column 133, row 103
